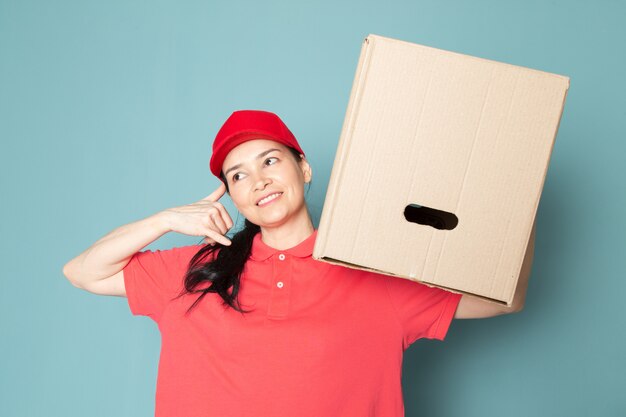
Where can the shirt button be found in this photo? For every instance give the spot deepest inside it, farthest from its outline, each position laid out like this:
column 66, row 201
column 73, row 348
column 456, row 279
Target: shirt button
column 279, row 284
column 281, row 257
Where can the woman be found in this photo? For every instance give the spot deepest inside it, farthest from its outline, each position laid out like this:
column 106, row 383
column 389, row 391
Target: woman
column 254, row 326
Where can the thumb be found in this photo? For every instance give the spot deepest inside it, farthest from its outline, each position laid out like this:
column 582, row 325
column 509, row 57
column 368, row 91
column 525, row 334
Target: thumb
column 217, row 194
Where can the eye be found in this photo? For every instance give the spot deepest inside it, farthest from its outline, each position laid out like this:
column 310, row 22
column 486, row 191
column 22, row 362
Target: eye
column 270, row 158
column 234, row 177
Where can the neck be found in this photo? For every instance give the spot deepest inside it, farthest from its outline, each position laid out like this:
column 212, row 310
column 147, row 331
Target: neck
column 288, row 235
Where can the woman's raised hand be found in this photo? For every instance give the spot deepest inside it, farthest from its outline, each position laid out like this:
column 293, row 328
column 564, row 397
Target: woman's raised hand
column 206, row 217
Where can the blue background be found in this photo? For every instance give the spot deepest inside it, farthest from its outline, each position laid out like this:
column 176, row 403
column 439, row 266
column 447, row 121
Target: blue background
column 108, row 110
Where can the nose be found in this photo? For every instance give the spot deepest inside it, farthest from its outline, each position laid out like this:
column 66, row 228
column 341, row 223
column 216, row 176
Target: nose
column 261, row 181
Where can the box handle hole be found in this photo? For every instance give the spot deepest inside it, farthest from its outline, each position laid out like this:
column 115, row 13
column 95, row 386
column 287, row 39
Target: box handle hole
column 427, row 216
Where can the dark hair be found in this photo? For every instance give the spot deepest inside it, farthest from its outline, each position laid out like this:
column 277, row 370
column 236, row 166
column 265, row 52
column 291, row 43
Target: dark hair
column 223, row 272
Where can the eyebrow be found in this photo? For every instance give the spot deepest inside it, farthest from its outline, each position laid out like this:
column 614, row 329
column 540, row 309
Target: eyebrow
column 259, row 156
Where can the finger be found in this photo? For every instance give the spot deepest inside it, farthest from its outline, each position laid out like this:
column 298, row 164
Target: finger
column 227, row 220
column 216, row 218
column 217, row 237
column 217, row 194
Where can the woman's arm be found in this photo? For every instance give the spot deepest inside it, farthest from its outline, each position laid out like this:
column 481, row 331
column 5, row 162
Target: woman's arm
column 107, row 257
column 99, row 269
column 475, row 308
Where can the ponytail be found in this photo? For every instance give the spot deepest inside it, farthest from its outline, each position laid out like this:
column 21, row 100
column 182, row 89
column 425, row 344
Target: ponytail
column 224, row 271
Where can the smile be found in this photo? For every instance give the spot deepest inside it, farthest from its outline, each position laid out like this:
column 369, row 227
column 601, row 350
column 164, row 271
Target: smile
column 268, row 199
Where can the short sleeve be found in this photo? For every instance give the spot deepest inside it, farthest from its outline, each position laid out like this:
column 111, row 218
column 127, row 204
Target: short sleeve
column 423, row 311
column 153, row 278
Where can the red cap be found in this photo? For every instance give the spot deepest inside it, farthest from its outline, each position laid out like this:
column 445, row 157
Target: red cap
column 245, row 125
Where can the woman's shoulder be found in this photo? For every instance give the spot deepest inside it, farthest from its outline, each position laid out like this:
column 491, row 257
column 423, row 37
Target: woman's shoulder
column 364, row 275
column 352, row 271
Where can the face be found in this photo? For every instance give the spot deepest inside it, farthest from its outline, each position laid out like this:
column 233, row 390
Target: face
column 260, row 168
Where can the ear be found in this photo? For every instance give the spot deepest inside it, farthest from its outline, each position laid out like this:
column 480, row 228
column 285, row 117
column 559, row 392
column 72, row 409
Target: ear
column 307, row 171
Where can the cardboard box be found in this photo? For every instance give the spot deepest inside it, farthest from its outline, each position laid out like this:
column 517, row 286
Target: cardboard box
column 439, row 168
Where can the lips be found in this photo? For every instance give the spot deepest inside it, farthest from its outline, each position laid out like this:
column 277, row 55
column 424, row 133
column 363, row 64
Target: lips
column 267, row 195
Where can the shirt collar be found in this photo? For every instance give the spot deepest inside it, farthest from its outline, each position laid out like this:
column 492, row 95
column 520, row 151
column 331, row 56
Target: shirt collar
column 261, row 251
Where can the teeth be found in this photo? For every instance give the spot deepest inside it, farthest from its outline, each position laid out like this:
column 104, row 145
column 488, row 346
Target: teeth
column 268, row 198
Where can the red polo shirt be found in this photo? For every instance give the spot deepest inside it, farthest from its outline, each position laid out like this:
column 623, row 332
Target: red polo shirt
column 323, row 340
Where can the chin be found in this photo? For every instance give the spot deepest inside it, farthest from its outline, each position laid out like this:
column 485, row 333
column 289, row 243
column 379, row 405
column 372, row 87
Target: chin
column 271, row 220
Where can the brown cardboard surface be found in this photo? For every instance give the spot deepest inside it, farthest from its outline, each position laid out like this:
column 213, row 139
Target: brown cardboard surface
column 460, row 134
